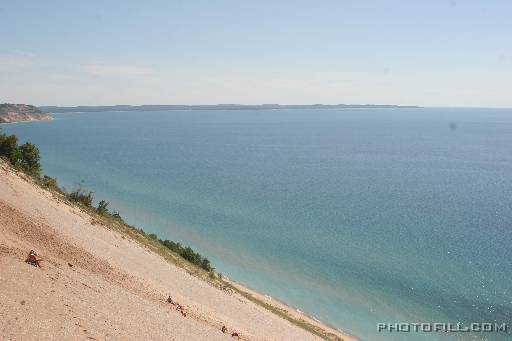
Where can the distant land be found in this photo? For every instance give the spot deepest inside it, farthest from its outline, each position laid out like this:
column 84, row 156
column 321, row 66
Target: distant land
column 56, row 109
column 10, row 113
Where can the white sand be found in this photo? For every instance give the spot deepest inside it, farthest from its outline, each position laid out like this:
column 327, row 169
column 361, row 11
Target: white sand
column 115, row 289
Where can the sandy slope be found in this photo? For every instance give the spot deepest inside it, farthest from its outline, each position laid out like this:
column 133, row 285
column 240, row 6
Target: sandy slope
column 96, row 284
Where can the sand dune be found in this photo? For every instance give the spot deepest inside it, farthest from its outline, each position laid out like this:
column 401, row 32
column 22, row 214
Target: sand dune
column 99, row 284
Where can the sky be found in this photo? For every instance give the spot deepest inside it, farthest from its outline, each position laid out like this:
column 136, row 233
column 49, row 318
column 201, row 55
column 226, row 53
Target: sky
column 407, row 52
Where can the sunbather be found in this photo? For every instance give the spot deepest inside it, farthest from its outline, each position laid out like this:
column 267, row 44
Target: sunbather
column 32, row 259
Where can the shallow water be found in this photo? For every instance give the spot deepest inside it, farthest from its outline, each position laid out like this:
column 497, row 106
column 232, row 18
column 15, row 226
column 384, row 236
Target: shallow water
column 354, row 216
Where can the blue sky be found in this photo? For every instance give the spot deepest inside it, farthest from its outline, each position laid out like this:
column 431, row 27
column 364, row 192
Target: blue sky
column 433, row 53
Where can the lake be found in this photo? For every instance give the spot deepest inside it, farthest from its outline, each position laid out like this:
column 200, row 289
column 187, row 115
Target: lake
column 355, row 216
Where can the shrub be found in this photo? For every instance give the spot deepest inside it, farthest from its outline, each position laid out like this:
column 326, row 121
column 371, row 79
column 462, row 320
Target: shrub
column 102, row 207
column 205, row 264
column 28, row 159
column 188, row 254
column 79, row 195
column 176, row 247
column 116, row 215
column 9, row 148
column 49, row 182
column 25, row 157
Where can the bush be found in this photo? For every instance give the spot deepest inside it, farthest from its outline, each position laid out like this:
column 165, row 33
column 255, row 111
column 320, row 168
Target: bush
column 9, row 148
column 80, row 196
column 49, row 182
column 102, row 207
column 25, row 157
column 188, row 254
column 116, row 215
column 205, row 264
column 28, row 159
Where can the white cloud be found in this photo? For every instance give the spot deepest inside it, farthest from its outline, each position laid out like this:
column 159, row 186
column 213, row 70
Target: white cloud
column 117, row 70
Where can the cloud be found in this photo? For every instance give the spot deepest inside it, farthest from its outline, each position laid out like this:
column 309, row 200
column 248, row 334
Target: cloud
column 117, row 70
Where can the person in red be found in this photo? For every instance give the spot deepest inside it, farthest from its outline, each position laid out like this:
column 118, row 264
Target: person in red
column 32, row 259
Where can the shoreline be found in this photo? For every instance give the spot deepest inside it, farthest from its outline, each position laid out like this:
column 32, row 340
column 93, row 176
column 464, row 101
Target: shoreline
column 246, row 310
column 293, row 311
column 50, row 118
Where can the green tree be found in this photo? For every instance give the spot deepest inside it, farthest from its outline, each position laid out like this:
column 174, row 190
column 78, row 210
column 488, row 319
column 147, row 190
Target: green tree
column 9, row 148
column 205, row 264
column 29, row 159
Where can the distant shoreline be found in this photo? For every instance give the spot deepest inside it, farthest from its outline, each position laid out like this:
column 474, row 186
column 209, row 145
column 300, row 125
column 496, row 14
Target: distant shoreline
column 57, row 109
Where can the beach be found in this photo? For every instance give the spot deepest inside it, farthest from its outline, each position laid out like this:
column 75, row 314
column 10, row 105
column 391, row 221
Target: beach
column 96, row 283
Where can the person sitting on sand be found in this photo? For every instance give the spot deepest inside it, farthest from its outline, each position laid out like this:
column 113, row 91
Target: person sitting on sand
column 32, row 259
column 224, row 329
column 180, row 308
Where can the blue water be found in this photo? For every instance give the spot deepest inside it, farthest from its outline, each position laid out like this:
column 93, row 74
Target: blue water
column 354, row 216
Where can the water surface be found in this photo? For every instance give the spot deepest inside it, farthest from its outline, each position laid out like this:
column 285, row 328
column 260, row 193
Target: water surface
column 357, row 216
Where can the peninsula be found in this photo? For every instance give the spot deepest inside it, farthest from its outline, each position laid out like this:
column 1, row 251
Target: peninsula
column 10, row 113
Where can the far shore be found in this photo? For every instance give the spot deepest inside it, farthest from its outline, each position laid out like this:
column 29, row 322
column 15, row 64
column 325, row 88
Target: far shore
column 157, row 107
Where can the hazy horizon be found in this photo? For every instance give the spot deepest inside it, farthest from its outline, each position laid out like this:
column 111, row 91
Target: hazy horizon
column 441, row 53
column 262, row 104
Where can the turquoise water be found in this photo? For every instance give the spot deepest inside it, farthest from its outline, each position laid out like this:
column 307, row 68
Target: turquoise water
column 354, row 216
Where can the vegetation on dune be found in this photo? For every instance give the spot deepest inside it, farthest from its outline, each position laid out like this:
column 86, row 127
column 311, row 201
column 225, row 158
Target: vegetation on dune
column 85, row 198
column 188, row 254
column 102, row 207
column 26, row 157
column 79, row 195
column 29, row 158
column 49, row 182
